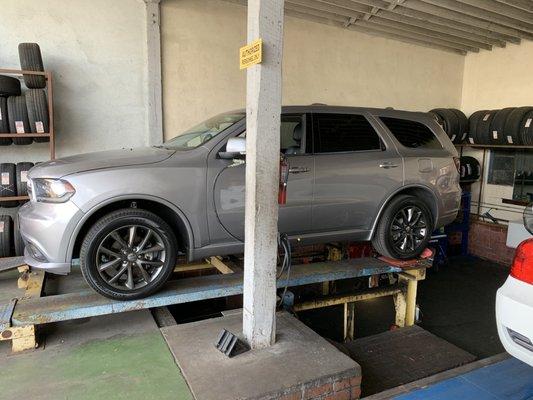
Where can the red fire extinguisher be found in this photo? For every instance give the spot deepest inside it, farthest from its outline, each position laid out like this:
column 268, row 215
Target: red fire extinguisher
column 283, row 179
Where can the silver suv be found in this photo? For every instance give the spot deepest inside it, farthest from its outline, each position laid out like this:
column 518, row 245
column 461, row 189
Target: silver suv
column 355, row 174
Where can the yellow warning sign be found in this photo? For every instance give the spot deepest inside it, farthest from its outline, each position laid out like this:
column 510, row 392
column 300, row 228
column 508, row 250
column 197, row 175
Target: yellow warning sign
column 251, row 54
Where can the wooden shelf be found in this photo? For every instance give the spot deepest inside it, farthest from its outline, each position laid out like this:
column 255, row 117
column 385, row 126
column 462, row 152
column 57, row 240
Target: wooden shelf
column 50, row 95
column 25, row 135
column 14, row 198
column 515, row 202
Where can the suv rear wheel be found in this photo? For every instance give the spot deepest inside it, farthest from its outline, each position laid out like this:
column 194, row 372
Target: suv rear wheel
column 128, row 254
column 404, row 228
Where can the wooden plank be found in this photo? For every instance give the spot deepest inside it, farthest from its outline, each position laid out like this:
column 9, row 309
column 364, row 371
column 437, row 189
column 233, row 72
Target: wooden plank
column 346, row 298
column 222, row 267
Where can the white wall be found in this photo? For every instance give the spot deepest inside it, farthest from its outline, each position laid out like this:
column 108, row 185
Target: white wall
column 95, row 51
column 494, row 80
column 201, row 76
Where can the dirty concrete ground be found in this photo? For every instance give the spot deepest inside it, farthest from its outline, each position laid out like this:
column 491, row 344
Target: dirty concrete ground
column 121, row 356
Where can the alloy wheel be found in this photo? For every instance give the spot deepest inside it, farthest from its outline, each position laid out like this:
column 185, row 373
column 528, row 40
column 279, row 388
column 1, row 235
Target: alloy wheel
column 130, row 257
column 408, row 229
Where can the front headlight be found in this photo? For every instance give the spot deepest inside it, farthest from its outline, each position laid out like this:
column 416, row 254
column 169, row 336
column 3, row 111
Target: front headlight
column 528, row 218
column 50, row 190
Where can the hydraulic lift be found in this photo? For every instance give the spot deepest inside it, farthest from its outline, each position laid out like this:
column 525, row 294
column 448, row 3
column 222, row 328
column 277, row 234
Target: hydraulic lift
column 20, row 317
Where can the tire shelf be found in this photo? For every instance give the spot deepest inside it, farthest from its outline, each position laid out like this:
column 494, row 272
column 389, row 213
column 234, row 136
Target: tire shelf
column 50, row 96
column 50, row 135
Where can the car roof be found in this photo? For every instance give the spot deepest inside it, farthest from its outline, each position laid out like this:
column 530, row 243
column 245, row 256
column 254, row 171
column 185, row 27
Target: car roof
column 378, row 112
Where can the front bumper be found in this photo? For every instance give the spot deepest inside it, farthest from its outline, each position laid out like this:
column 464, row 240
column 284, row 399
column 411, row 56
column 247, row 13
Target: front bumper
column 514, row 318
column 47, row 230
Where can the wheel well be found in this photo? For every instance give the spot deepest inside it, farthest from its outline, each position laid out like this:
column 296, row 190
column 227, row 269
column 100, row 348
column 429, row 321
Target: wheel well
column 163, row 211
column 423, row 194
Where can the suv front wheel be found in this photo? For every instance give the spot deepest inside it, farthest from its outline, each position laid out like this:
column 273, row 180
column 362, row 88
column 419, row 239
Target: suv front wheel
column 404, row 228
column 128, row 254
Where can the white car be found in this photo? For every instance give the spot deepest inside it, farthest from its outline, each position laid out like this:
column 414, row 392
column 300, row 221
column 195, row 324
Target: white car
column 514, row 303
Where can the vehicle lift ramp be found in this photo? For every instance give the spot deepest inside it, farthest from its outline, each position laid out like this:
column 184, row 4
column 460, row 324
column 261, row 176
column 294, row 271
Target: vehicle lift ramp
column 19, row 317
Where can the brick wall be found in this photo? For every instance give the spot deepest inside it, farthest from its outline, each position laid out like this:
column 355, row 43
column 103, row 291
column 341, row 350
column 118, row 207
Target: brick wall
column 341, row 387
column 487, row 241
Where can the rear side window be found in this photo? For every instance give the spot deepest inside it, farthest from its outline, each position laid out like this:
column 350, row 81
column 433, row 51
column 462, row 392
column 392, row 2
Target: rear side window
column 412, row 134
column 335, row 133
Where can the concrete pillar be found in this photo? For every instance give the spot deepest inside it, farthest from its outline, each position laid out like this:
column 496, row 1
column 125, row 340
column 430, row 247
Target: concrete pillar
column 263, row 108
column 153, row 73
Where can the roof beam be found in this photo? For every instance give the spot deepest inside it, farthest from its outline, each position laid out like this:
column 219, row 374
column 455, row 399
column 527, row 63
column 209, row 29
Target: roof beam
column 465, row 11
column 501, row 9
column 441, row 28
column 446, row 17
column 382, row 24
column 372, row 32
column 430, row 31
column 522, row 4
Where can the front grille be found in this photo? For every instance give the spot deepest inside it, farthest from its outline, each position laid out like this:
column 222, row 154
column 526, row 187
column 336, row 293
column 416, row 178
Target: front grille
column 520, row 340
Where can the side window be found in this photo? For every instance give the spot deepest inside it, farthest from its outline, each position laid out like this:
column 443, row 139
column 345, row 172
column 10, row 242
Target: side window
column 292, row 131
column 344, row 132
column 412, row 134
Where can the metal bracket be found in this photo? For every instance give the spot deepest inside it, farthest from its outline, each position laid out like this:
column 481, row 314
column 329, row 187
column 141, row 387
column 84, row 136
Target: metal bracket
column 6, row 313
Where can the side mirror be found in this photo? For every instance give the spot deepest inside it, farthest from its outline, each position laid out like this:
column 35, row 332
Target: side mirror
column 235, row 148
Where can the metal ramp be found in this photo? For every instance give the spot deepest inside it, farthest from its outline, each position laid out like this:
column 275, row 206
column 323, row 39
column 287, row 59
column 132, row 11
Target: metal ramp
column 34, row 309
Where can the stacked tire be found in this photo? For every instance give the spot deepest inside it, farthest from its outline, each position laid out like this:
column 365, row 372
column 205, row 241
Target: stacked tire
column 454, row 123
column 24, row 111
column 469, row 169
column 507, row 126
column 13, row 182
column 11, row 242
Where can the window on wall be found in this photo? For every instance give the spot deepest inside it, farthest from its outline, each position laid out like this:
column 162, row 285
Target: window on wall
column 343, row 133
column 513, row 168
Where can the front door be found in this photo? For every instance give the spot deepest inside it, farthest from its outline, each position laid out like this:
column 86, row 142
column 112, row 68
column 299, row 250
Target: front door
column 355, row 169
column 295, row 216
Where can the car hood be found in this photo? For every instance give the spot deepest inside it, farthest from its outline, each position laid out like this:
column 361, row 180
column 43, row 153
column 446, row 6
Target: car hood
column 99, row 160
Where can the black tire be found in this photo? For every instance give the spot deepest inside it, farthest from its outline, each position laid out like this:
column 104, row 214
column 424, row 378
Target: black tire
column 9, row 86
column 7, row 184
column 472, row 126
column 526, row 130
column 497, row 126
column 4, row 122
column 6, row 229
column 463, row 125
column 483, row 132
column 513, row 125
column 450, row 122
column 37, row 106
column 22, row 178
column 18, row 118
column 98, row 234
column 470, row 169
column 31, row 60
column 18, row 243
column 383, row 237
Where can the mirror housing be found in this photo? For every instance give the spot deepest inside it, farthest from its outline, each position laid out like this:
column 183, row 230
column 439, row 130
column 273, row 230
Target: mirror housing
column 235, row 148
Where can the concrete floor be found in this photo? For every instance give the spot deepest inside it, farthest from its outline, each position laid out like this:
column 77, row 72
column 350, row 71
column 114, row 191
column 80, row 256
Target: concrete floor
column 124, row 356
column 121, row 356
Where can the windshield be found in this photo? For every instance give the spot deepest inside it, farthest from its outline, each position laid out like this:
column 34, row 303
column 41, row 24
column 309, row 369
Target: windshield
column 203, row 132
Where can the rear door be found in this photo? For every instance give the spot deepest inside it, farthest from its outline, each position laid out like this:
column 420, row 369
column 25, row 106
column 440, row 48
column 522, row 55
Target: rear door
column 356, row 168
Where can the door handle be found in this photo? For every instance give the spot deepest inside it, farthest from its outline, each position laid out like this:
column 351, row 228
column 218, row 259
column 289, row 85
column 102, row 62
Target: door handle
column 388, row 165
column 298, row 170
